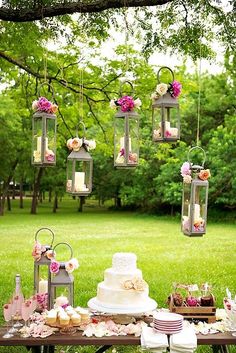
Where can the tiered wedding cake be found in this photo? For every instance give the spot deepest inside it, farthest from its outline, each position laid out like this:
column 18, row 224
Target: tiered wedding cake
column 123, row 289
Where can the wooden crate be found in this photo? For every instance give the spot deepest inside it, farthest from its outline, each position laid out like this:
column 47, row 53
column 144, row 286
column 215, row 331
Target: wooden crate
column 203, row 313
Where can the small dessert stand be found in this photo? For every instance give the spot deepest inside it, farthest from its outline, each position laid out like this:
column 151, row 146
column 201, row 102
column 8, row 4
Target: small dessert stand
column 149, row 305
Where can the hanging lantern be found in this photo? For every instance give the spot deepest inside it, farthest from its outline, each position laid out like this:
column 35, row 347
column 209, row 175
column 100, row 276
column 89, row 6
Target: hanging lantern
column 44, row 131
column 79, row 166
column 126, row 131
column 62, row 280
column 195, row 197
column 165, row 110
column 42, row 255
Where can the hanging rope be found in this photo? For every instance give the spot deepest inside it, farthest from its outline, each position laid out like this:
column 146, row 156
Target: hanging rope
column 199, row 86
column 126, row 38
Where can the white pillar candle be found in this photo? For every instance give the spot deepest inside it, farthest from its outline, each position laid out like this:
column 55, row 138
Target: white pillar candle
column 62, row 300
column 43, row 286
column 122, row 143
column 79, row 181
column 174, row 132
column 196, row 211
column 39, row 139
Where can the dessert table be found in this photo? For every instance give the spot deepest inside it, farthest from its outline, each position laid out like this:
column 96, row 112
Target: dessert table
column 218, row 341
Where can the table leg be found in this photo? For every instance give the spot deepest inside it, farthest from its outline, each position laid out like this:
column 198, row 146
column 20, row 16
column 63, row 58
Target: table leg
column 36, row 349
column 48, row 349
column 220, row 349
column 103, row 349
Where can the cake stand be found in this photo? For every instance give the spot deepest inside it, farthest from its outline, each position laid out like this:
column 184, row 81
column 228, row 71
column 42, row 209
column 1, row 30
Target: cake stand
column 148, row 305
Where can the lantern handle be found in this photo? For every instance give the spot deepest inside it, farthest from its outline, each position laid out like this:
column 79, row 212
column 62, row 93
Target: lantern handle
column 84, row 129
column 131, row 86
column 52, row 234
column 159, row 71
column 202, row 150
column 71, row 251
column 46, row 84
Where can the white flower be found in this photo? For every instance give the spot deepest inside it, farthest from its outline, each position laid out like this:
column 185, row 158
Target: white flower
column 137, row 103
column 75, row 144
column 161, row 88
column 92, row 144
column 113, row 104
column 71, row 265
column 187, row 179
column 68, row 144
column 35, row 105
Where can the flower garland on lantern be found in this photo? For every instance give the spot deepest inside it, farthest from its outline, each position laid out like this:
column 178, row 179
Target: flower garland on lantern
column 70, row 266
column 126, row 103
column 39, row 250
column 44, row 105
column 174, row 88
column 74, row 144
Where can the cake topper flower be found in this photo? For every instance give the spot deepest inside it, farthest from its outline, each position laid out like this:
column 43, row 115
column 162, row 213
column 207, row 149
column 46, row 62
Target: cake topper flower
column 44, row 105
column 126, row 103
column 136, row 283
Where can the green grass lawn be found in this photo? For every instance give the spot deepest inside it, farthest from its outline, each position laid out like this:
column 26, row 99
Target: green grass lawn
column 164, row 254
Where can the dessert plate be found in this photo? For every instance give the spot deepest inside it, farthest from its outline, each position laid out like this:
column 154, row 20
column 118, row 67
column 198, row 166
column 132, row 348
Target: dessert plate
column 149, row 305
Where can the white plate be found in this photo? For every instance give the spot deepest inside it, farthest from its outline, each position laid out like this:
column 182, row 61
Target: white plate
column 150, row 305
column 167, row 317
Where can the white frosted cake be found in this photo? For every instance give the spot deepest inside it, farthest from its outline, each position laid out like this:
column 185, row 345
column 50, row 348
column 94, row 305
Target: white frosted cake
column 123, row 287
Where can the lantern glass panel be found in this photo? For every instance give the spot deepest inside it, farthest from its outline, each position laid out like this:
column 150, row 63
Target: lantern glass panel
column 119, row 140
column 50, row 141
column 133, row 141
column 37, row 140
column 166, row 124
column 79, row 176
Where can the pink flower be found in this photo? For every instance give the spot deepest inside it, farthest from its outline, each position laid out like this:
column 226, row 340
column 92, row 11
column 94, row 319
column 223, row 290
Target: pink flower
column 50, row 157
column 71, row 265
column 185, row 169
column 167, row 133
column 126, row 103
column 54, row 267
column 37, row 252
column 175, row 89
column 44, row 105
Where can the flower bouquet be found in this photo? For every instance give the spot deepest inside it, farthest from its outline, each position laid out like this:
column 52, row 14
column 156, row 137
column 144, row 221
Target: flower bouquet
column 74, row 144
column 44, row 105
column 126, row 103
column 174, row 89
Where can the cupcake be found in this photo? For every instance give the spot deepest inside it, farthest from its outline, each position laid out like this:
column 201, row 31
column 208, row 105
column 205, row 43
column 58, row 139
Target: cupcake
column 75, row 319
column 64, row 319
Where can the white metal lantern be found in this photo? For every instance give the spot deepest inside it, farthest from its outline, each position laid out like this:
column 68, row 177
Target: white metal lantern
column 62, row 281
column 194, row 199
column 44, row 124
column 165, row 111
column 79, row 168
column 126, row 132
column 42, row 261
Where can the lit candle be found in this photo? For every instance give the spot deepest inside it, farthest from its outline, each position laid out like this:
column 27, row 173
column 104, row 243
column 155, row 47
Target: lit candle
column 79, row 181
column 62, row 300
column 43, row 286
column 122, row 143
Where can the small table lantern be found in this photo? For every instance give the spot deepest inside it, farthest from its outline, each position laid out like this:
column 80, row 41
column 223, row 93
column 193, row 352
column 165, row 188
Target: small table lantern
column 195, row 197
column 44, row 132
column 126, row 131
column 61, row 278
column 42, row 255
column 165, row 110
column 79, row 166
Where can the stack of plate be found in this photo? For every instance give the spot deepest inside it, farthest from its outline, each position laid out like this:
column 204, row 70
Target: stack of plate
column 168, row 323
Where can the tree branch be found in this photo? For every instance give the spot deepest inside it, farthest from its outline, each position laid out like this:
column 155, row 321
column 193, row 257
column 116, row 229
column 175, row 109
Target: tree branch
column 39, row 12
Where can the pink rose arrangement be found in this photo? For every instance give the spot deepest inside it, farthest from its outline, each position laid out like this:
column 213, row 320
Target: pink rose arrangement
column 54, row 267
column 174, row 88
column 74, row 144
column 39, row 250
column 44, row 105
column 70, row 266
column 186, row 173
column 126, row 103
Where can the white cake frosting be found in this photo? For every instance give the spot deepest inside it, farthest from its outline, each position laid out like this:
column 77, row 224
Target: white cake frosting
column 123, row 262
column 123, row 286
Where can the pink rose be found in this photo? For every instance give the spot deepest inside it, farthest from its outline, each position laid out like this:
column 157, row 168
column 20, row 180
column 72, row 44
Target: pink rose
column 185, row 169
column 71, row 265
column 54, row 267
column 37, row 252
column 175, row 89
